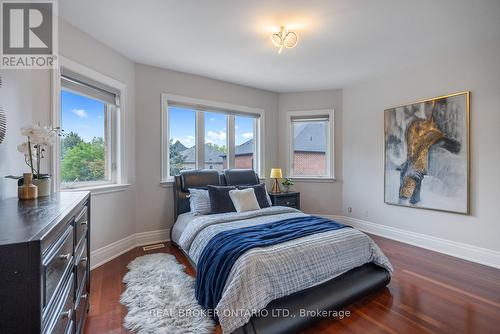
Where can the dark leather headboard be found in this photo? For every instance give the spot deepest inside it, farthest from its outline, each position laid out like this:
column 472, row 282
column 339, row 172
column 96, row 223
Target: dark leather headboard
column 240, row 177
column 201, row 178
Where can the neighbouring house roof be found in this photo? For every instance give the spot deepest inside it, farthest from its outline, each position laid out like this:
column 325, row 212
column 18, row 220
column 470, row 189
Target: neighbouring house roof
column 245, row 148
column 211, row 155
column 312, row 138
column 179, row 146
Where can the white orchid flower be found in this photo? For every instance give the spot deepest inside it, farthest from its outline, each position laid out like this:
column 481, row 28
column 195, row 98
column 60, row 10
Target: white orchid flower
column 24, row 149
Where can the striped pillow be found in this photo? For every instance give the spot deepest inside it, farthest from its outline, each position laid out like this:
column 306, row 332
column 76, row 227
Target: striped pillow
column 199, row 201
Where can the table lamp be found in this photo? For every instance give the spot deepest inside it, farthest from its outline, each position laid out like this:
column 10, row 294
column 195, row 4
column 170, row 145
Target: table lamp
column 276, row 174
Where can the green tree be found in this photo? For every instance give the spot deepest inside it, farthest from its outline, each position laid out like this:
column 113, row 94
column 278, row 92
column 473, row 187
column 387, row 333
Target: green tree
column 176, row 158
column 84, row 162
column 69, row 141
column 221, row 148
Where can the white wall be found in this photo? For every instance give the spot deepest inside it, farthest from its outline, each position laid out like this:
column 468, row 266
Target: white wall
column 154, row 202
column 476, row 69
column 25, row 98
column 316, row 196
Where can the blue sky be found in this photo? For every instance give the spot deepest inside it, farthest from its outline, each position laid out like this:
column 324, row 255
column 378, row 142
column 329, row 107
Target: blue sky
column 82, row 115
column 215, row 127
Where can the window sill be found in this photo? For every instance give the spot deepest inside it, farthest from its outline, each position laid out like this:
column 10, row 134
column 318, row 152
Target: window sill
column 102, row 189
column 314, row 179
column 166, row 184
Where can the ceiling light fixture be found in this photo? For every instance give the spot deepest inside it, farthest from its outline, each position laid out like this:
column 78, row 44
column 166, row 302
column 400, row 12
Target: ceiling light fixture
column 284, row 38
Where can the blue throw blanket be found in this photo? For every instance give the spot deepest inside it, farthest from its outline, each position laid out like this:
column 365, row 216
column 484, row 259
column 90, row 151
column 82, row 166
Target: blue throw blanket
column 225, row 248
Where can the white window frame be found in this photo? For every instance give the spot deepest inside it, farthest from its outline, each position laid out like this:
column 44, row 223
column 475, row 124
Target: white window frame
column 117, row 133
column 200, row 106
column 330, row 146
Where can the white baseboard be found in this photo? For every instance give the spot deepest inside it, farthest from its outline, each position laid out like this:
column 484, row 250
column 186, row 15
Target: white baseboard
column 107, row 253
column 464, row 251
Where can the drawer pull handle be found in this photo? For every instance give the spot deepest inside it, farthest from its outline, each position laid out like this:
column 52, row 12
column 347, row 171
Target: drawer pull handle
column 287, row 203
column 85, row 222
column 83, row 260
column 65, row 257
column 84, row 296
column 66, row 314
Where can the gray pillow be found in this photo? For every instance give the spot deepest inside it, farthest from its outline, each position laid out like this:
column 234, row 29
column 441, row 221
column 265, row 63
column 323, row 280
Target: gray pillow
column 199, row 201
column 220, row 201
column 261, row 194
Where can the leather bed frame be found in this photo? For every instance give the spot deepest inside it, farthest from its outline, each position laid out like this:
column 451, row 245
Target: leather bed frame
column 332, row 295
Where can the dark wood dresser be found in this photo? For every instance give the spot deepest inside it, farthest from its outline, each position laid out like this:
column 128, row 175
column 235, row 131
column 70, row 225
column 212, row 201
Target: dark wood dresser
column 290, row 198
column 44, row 264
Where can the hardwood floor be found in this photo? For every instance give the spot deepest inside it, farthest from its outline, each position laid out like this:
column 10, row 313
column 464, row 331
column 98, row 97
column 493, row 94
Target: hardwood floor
column 429, row 293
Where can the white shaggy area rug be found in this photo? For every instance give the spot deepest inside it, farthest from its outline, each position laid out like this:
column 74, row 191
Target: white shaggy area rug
column 160, row 298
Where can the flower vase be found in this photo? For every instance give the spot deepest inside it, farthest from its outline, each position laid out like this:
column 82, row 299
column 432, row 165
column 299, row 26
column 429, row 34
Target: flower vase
column 28, row 190
column 43, row 185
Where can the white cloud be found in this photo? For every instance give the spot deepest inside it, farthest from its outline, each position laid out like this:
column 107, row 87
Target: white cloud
column 188, row 141
column 247, row 135
column 216, row 137
column 212, row 119
column 80, row 113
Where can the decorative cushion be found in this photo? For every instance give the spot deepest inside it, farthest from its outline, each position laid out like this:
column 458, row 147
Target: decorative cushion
column 261, row 194
column 199, row 201
column 220, row 202
column 244, row 199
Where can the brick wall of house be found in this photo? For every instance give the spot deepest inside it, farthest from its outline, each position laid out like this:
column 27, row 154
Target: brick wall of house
column 309, row 163
column 242, row 161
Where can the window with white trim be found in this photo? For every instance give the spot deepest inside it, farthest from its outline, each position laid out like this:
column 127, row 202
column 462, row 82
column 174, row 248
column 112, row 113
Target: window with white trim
column 311, row 144
column 89, row 114
column 208, row 135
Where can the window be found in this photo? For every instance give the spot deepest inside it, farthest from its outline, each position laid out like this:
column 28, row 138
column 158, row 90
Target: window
column 182, row 139
column 89, row 112
column 215, row 141
column 245, row 128
column 311, row 142
column 205, row 134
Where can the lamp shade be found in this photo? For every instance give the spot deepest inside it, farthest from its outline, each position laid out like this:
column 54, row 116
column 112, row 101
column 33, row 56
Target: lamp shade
column 276, row 173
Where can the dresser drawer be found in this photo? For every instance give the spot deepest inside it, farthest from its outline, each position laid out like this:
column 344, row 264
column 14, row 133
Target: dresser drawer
column 60, row 320
column 286, row 201
column 80, row 310
column 81, row 224
column 56, row 266
column 81, row 267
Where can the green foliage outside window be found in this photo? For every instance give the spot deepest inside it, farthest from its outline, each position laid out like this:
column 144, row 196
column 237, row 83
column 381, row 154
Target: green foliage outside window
column 82, row 161
column 220, row 148
column 176, row 158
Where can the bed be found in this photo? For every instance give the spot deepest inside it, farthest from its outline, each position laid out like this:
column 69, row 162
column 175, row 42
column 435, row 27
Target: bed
column 284, row 286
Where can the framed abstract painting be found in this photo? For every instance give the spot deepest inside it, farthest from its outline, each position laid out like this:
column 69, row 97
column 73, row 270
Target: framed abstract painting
column 427, row 154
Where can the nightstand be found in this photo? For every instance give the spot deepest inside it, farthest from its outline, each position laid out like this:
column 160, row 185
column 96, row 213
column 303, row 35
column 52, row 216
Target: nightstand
column 291, row 199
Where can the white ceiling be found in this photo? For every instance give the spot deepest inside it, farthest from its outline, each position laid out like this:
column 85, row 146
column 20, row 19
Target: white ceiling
column 340, row 41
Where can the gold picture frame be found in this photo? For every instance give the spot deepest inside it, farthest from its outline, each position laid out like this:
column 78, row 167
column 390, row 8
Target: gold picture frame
column 427, row 154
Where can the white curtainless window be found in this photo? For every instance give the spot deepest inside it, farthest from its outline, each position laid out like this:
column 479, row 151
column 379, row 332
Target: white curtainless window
column 89, row 114
column 310, row 144
column 204, row 134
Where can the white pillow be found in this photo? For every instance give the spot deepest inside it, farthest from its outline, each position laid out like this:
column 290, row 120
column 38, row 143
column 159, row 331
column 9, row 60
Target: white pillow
column 244, row 200
column 199, row 201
